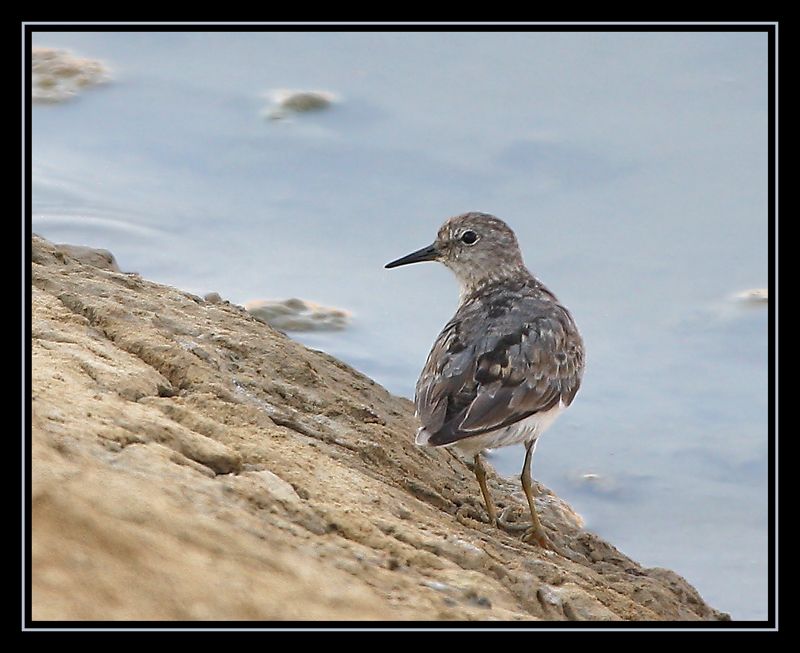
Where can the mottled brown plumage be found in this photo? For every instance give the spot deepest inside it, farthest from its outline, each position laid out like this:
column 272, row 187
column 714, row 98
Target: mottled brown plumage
column 507, row 363
column 509, row 352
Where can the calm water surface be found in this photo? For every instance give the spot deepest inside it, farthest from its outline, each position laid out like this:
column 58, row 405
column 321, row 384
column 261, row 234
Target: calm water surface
column 633, row 168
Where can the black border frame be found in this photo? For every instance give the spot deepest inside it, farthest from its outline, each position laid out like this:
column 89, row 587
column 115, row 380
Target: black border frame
column 770, row 27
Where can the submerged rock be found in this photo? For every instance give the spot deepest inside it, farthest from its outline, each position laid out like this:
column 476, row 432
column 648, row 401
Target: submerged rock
column 298, row 315
column 188, row 462
column 58, row 75
column 756, row 295
column 285, row 102
column 594, row 483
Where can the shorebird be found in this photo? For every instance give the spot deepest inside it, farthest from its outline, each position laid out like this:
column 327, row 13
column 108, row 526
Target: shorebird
column 506, row 365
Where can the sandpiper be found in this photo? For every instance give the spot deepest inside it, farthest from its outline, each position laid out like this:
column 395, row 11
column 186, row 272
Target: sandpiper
column 509, row 361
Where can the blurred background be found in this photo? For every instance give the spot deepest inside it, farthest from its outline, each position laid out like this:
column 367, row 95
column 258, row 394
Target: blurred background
column 632, row 166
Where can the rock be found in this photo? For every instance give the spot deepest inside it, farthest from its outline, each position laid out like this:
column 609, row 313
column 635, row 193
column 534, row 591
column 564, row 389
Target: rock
column 70, row 254
column 99, row 258
column 285, row 102
column 245, row 483
column 213, row 298
column 298, row 315
column 757, row 295
column 58, row 75
column 594, row 483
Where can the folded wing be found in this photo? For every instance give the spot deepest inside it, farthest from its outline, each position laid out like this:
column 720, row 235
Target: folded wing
column 490, row 368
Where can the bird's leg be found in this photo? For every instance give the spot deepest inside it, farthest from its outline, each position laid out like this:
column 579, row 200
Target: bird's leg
column 535, row 532
column 480, row 474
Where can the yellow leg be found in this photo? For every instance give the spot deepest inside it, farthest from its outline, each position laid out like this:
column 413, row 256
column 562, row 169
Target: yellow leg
column 480, row 474
column 535, row 532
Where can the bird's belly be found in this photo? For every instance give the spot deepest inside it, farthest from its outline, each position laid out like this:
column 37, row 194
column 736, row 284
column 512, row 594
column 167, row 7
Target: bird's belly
column 525, row 430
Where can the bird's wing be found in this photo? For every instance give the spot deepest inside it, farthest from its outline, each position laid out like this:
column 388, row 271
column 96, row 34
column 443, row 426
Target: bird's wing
column 508, row 369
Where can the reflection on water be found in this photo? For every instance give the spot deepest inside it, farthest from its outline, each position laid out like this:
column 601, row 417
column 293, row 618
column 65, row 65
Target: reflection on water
column 633, row 168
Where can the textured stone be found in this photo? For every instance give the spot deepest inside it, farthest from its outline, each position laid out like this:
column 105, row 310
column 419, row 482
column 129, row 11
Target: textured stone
column 244, row 483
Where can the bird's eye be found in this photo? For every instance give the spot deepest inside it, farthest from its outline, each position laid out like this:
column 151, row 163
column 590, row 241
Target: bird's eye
column 469, row 237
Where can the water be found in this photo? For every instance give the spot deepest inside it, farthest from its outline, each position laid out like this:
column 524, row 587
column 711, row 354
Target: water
column 633, row 168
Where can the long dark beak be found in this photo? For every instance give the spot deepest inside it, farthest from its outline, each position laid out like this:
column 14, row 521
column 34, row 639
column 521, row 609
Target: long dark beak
column 428, row 253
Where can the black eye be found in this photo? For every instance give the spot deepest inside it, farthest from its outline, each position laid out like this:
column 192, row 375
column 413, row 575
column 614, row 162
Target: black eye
column 469, row 237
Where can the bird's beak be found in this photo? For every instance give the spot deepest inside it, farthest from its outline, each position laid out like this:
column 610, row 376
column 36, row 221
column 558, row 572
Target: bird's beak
column 429, row 253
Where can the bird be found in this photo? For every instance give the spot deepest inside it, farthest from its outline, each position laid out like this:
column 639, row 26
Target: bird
column 507, row 364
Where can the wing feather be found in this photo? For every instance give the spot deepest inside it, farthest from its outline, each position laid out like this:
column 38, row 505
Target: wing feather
column 490, row 368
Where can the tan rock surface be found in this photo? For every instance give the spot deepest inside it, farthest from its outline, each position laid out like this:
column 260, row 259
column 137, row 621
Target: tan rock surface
column 190, row 462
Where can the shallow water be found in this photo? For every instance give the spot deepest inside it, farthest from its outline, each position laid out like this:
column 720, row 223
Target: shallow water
column 633, row 168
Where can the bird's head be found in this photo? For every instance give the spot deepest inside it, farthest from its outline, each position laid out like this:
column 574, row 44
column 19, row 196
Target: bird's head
column 477, row 247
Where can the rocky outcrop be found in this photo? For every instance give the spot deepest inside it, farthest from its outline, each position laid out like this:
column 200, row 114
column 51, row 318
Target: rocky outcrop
column 190, row 462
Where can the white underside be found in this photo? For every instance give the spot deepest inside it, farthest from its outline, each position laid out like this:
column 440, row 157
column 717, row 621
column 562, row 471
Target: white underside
column 526, row 430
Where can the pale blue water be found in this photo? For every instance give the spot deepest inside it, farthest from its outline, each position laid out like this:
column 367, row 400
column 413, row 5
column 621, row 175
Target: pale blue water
column 633, row 168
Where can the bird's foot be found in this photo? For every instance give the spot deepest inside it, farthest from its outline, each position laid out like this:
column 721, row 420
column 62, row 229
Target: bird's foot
column 534, row 535
column 467, row 514
column 508, row 520
column 538, row 536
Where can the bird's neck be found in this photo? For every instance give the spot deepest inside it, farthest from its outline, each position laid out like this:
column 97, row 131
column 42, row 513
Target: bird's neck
column 471, row 285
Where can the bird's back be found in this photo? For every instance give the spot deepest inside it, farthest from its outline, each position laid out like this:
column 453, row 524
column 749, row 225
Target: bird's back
column 511, row 351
